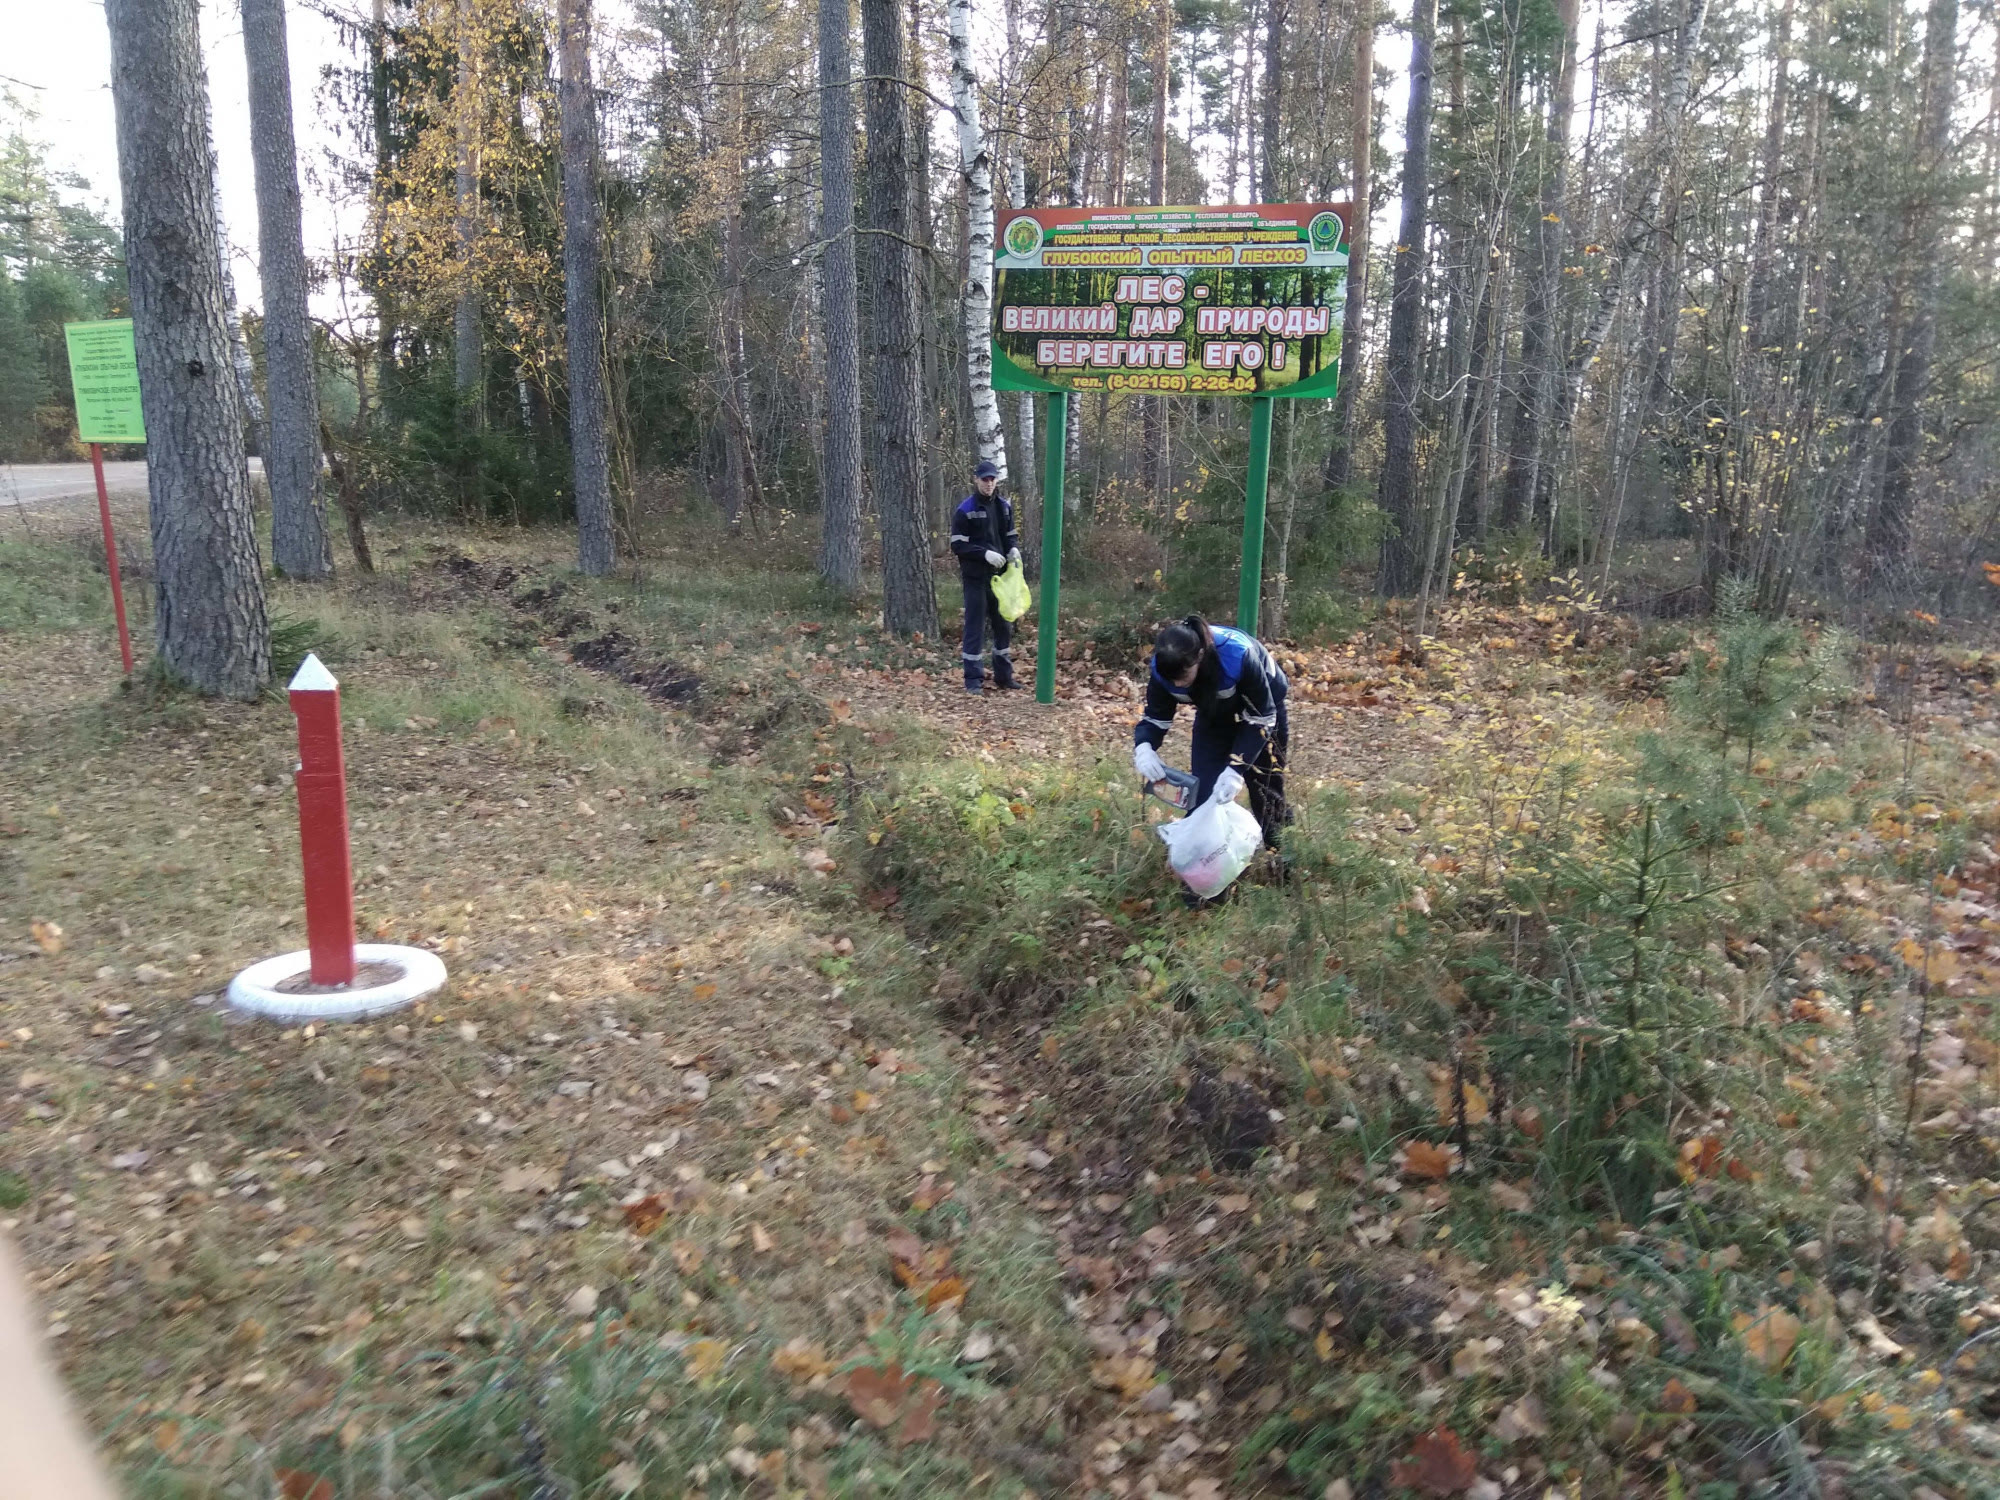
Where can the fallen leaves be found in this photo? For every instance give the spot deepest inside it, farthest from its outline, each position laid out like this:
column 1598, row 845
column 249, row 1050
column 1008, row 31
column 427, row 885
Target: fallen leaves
column 1422, row 1159
column 1130, row 1375
column 801, row 1360
column 1768, row 1335
column 298, row 1484
column 1936, row 962
column 1521, row 1419
column 925, row 1270
column 1438, row 1465
column 887, row 1397
column 646, row 1215
column 47, row 935
column 528, row 1180
column 704, row 1358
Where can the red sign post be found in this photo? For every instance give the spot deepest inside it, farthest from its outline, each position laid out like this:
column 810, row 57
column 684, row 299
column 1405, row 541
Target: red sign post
column 322, row 783
column 111, row 556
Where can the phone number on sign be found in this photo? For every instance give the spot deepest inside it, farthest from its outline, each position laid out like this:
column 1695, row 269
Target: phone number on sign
column 1232, row 385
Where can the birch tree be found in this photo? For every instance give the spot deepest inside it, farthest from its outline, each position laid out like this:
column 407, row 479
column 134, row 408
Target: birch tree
column 976, row 167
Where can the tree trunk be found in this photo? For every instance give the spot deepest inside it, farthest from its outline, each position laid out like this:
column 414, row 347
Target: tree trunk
column 1892, row 523
column 1641, row 222
column 1771, row 168
column 1540, row 353
column 937, row 510
column 347, row 487
column 909, row 598
column 1155, row 455
column 209, row 622
column 1403, row 385
column 465, row 315
column 583, row 311
column 1271, row 187
column 976, row 163
column 1120, row 124
column 299, row 547
column 1354, row 319
column 840, row 501
column 378, row 272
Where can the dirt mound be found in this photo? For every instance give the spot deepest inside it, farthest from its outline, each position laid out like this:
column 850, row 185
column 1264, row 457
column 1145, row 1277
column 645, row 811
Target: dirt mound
column 616, row 655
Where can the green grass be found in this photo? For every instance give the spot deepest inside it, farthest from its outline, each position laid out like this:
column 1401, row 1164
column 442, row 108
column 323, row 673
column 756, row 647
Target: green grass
column 55, row 580
column 588, row 1413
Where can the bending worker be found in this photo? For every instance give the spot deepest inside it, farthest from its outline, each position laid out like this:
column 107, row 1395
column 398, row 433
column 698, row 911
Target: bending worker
column 983, row 536
column 1241, row 732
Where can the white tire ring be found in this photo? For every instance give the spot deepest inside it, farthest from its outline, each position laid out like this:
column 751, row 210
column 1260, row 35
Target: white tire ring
column 254, row 990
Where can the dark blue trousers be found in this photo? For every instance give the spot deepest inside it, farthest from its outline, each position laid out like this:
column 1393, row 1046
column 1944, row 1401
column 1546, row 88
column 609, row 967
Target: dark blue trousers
column 982, row 612
column 1208, row 757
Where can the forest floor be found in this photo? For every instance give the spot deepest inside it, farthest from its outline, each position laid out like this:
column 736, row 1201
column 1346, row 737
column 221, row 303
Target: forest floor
column 832, row 1098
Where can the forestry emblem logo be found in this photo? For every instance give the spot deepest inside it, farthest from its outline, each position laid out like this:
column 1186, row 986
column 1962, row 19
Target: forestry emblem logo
column 1024, row 237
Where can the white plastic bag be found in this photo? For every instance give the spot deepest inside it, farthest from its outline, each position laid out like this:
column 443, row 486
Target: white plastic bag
column 1212, row 845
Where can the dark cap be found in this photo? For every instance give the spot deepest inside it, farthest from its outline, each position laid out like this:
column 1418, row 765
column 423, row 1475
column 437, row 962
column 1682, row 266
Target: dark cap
column 986, row 469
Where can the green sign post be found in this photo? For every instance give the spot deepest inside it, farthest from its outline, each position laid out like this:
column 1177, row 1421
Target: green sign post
column 104, row 374
column 1056, row 424
column 1235, row 300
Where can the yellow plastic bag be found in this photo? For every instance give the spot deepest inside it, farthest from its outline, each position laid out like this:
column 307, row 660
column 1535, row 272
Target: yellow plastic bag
column 1011, row 589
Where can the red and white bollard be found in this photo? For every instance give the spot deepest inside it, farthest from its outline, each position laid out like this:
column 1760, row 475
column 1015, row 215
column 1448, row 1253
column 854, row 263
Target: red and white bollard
column 336, row 978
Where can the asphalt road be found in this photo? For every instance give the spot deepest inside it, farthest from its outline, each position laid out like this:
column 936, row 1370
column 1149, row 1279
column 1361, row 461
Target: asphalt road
column 30, row 485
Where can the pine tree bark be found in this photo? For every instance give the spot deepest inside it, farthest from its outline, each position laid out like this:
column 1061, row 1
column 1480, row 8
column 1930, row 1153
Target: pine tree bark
column 299, row 546
column 209, row 623
column 840, row 499
column 1354, row 318
column 1402, row 548
column 583, row 308
column 1892, row 522
column 909, row 597
column 975, row 160
column 1270, row 187
column 1541, row 355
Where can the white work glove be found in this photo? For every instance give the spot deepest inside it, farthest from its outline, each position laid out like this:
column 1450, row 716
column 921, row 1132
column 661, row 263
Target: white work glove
column 1227, row 785
column 1146, row 761
column 1013, row 556
column 995, row 561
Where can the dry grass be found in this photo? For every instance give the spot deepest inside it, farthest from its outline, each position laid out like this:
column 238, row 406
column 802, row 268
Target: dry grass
column 245, row 1230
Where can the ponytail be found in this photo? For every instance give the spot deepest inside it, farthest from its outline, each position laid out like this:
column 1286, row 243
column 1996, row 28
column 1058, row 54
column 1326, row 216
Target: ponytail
column 1188, row 643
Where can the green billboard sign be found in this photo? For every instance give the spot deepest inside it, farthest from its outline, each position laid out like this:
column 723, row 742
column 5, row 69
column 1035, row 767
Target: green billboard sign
column 1218, row 300
column 104, row 373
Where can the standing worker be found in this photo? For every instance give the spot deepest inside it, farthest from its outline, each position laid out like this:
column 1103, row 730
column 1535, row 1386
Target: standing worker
column 1241, row 732
column 983, row 536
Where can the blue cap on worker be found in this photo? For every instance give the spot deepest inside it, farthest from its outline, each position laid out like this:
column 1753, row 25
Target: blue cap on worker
column 986, row 469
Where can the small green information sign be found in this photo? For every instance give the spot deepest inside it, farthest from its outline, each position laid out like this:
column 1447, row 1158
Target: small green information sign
column 104, row 372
